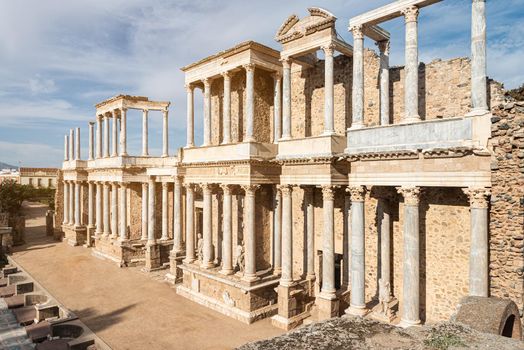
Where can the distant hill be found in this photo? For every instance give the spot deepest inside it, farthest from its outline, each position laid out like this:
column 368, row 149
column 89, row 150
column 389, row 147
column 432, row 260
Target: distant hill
column 7, row 166
column 518, row 93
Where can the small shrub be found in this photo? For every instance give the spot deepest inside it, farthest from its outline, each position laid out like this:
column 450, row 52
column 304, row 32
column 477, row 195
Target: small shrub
column 443, row 340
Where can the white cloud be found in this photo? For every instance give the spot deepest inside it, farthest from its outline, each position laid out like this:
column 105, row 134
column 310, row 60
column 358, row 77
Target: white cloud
column 39, row 85
column 23, row 154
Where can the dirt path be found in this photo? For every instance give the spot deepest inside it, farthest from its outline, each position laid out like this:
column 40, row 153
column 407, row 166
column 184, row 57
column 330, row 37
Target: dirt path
column 125, row 307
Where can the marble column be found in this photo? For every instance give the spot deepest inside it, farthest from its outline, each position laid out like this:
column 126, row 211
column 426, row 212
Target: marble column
column 277, row 106
column 66, row 203
column 329, row 112
column 77, row 204
column 190, row 117
column 328, row 243
column 145, row 142
column 226, row 109
column 479, row 95
column 151, row 211
column 145, row 216
column 250, row 102
column 114, row 210
column 250, row 271
column 346, row 248
column 77, row 144
column 123, row 132
column 190, row 228
column 114, row 138
column 286, row 99
column 177, row 215
column 384, row 217
column 165, row 134
column 91, row 146
column 410, row 303
column 277, row 232
column 165, row 207
column 66, row 148
column 71, row 144
column 383, row 47
column 123, row 211
column 310, row 232
column 99, row 194
column 357, row 96
column 286, row 278
column 357, row 305
column 99, row 137
column 106, row 210
column 90, row 204
column 411, row 67
column 227, row 252
column 207, row 112
column 71, row 203
column 106, row 136
column 207, row 261
column 479, row 250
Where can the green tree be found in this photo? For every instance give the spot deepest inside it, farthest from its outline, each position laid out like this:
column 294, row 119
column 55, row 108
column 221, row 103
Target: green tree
column 11, row 197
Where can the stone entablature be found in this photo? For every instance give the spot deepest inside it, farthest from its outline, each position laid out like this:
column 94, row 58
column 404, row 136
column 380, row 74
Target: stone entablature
column 121, row 102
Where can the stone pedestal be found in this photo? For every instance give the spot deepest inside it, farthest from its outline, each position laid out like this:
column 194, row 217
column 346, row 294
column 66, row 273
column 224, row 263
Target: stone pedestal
column 175, row 274
column 153, row 261
column 75, row 235
column 328, row 306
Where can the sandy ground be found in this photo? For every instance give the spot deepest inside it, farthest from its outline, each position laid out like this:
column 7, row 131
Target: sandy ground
column 127, row 308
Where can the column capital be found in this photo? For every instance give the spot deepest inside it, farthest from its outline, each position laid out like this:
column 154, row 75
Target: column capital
column 189, row 186
column 123, row 109
column 410, row 14
column 226, row 75
column 357, row 31
column 145, row 111
column 285, row 189
column 165, row 184
column 226, row 188
column 177, row 179
column 328, row 49
column 124, row 184
column 478, row 196
column 250, row 189
column 189, row 88
column 286, row 62
column 383, row 46
column 151, row 178
column 328, row 192
column 207, row 188
column 411, row 194
column 249, row 67
column 357, row 193
column 276, row 75
column 91, row 124
column 207, row 83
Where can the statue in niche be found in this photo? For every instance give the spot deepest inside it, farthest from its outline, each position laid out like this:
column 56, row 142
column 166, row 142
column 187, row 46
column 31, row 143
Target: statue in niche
column 200, row 248
column 240, row 257
column 384, row 297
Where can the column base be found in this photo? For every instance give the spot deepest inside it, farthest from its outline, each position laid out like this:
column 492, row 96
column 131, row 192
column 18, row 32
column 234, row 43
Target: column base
column 250, row 278
column 207, row 265
column 358, row 125
column 408, row 323
column 329, row 133
column 150, row 242
column 410, row 120
column 359, row 311
column 477, row 112
column 124, row 154
column 227, row 272
column 285, row 138
column 327, row 305
column 188, row 260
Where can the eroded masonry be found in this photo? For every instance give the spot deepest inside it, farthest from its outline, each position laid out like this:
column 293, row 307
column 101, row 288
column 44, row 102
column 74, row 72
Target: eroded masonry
column 322, row 187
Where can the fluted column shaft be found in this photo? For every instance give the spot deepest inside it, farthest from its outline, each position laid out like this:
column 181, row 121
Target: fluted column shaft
column 328, row 243
column 177, row 215
column 114, row 139
column 99, row 195
column 310, row 232
column 287, row 236
column 123, row 211
column 190, row 132
column 145, row 216
column 123, row 131
column 165, row 134
column 411, row 67
column 329, row 112
column 165, row 206
column 384, row 81
column 226, row 109
column 91, row 145
column 90, row 204
column 106, row 209
column 277, row 106
column 66, row 203
column 72, row 144
column 71, row 203
column 151, row 211
column 99, row 137
column 346, row 275
column 286, row 99
column 227, row 253
column 479, row 95
column 383, row 214
column 410, row 303
column 207, row 112
column 207, row 261
column 106, row 136
column 358, row 79
column 77, row 144
column 190, row 228
column 66, row 148
column 250, row 102
column 250, row 271
column 114, row 210
column 358, row 270
column 145, row 132
column 479, row 250
column 277, row 233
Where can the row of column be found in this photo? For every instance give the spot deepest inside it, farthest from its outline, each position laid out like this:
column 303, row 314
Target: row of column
column 72, row 145
column 411, row 89
column 226, row 108
column 72, row 203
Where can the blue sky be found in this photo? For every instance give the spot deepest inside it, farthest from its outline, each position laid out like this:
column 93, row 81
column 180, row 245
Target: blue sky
column 58, row 58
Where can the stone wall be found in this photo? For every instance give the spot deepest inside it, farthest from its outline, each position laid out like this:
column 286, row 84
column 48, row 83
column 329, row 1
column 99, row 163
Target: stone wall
column 507, row 203
column 59, row 200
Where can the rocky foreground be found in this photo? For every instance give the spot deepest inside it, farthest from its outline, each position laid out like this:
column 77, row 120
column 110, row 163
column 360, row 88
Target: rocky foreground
column 356, row 333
